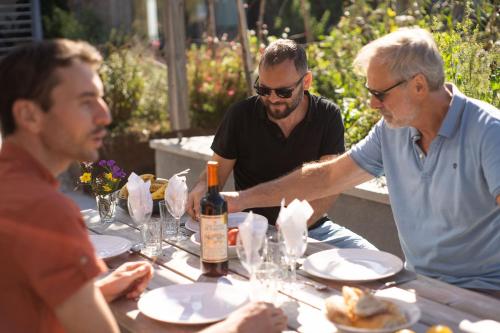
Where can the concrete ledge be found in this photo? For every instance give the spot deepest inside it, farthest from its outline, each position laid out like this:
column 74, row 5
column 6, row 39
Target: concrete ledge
column 198, row 147
column 193, row 147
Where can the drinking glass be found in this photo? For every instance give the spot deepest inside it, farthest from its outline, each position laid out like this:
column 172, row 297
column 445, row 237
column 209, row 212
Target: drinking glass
column 293, row 252
column 170, row 223
column 151, row 232
column 264, row 284
column 176, row 205
column 139, row 216
column 275, row 252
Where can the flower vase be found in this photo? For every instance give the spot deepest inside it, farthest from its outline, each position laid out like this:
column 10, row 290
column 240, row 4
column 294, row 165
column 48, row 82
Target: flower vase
column 106, row 205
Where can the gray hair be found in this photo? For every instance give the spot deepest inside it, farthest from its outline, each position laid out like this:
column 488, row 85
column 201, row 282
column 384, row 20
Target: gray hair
column 284, row 49
column 406, row 52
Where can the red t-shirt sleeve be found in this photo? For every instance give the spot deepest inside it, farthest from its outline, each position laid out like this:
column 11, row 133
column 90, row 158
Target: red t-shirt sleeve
column 58, row 257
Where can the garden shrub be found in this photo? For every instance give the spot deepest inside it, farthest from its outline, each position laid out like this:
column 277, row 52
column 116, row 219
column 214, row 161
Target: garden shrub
column 215, row 81
column 135, row 88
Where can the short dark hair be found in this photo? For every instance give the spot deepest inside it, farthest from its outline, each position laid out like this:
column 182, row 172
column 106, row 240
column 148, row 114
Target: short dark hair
column 28, row 72
column 284, row 49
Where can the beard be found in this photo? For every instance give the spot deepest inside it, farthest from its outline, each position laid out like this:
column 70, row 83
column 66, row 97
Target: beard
column 405, row 117
column 289, row 107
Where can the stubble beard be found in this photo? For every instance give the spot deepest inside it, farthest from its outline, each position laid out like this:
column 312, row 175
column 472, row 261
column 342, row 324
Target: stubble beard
column 288, row 110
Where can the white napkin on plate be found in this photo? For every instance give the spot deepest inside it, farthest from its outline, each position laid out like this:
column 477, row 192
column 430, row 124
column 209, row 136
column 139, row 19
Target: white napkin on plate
column 252, row 233
column 176, row 194
column 482, row 326
column 139, row 197
column 292, row 222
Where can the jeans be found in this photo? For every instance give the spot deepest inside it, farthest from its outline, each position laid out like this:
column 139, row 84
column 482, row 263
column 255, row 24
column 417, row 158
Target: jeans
column 338, row 236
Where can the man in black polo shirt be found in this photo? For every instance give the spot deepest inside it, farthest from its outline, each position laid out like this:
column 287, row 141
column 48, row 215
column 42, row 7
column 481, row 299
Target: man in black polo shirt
column 270, row 134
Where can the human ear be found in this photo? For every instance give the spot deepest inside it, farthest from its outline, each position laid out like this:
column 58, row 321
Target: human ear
column 308, row 80
column 27, row 115
column 420, row 84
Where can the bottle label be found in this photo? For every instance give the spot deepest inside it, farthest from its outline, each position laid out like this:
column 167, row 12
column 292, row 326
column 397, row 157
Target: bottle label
column 213, row 229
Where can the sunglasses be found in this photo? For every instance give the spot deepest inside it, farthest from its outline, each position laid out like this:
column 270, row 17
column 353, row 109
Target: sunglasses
column 382, row 94
column 285, row 92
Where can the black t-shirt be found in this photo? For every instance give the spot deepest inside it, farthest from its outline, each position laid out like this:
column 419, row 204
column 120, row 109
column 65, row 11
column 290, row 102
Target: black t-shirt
column 261, row 150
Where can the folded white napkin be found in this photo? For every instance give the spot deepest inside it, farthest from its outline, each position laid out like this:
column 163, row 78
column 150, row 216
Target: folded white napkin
column 176, row 194
column 252, row 233
column 482, row 326
column 292, row 222
column 139, row 197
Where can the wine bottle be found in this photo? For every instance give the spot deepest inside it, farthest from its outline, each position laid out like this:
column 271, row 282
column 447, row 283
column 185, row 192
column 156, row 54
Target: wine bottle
column 213, row 226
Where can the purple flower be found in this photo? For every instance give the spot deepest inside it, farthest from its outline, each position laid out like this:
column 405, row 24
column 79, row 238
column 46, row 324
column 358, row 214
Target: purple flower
column 111, row 163
column 102, row 163
column 116, row 171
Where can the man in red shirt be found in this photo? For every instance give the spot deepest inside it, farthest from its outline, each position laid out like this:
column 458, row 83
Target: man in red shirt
column 52, row 113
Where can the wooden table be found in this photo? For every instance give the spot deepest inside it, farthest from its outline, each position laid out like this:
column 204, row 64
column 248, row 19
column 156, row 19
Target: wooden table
column 440, row 303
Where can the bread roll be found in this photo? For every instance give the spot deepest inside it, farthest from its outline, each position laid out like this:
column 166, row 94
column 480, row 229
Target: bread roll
column 362, row 310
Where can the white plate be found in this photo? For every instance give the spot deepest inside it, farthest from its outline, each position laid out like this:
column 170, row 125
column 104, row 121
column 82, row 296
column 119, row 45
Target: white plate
column 109, row 246
column 410, row 310
column 231, row 249
column 195, row 303
column 234, row 220
column 352, row 264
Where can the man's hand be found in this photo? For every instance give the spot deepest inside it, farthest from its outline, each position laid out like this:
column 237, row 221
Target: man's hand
column 233, row 200
column 253, row 317
column 130, row 279
column 194, row 198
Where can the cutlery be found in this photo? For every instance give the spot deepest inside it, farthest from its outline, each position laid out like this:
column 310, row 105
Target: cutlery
column 317, row 286
column 136, row 248
column 392, row 284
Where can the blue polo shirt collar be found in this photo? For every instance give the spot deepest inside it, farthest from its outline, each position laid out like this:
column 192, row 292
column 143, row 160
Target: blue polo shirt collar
column 451, row 121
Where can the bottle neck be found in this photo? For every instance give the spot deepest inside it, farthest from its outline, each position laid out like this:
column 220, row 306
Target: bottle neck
column 212, row 178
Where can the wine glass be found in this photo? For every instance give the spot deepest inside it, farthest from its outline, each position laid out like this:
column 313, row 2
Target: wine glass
column 139, row 215
column 176, row 205
column 250, row 258
column 293, row 251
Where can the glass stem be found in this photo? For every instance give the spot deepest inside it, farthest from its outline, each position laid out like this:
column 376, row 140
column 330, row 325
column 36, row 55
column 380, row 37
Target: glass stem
column 178, row 228
column 293, row 271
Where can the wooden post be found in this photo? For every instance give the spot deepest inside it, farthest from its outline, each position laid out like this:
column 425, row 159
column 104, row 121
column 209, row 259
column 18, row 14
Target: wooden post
column 307, row 26
column 260, row 21
column 211, row 26
column 245, row 48
column 175, row 50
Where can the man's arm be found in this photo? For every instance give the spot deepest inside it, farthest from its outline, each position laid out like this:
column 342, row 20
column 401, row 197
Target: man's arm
column 311, row 181
column 86, row 311
column 322, row 205
column 225, row 168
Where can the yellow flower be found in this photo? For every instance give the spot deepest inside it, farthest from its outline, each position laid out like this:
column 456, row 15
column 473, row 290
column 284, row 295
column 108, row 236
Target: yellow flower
column 390, row 12
column 108, row 176
column 106, row 188
column 85, row 178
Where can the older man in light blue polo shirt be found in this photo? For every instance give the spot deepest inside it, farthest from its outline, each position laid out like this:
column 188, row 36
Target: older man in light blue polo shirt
column 444, row 200
column 440, row 153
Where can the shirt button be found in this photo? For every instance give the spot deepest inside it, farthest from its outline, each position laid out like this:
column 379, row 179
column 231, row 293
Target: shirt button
column 84, row 260
column 421, row 156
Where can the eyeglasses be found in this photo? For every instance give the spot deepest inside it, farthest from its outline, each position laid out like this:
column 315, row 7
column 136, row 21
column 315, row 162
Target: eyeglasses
column 285, row 92
column 382, row 94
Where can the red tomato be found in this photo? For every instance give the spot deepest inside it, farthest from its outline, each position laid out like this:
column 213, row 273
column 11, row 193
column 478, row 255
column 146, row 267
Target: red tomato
column 232, row 234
